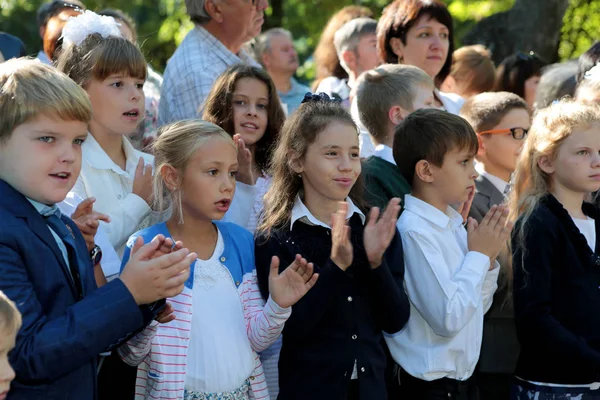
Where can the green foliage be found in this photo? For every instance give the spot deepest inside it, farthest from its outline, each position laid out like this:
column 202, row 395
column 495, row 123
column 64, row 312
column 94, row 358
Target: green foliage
column 162, row 24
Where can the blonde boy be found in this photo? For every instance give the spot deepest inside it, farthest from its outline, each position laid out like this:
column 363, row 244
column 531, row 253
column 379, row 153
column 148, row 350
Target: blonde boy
column 385, row 97
column 45, row 266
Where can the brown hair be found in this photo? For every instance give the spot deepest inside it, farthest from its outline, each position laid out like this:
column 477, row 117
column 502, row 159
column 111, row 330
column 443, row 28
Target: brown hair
column 10, row 317
column 512, row 73
column 29, row 88
column 218, row 107
column 384, row 87
column 98, row 57
column 428, row 134
column 298, row 133
column 473, row 69
column 400, row 16
column 326, row 59
column 486, row 110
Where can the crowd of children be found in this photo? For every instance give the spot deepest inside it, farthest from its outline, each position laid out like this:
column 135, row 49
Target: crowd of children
column 257, row 256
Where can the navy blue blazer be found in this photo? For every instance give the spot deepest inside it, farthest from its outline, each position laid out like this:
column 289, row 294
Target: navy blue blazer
column 57, row 348
column 11, row 46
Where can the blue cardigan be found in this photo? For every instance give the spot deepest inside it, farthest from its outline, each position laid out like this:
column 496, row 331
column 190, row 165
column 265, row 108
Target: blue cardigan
column 238, row 255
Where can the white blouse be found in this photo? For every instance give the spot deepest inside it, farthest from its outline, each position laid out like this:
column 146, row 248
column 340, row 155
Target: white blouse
column 219, row 357
column 112, row 187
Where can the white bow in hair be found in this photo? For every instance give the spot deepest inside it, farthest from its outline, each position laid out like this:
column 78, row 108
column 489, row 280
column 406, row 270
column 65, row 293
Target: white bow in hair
column 78, row 28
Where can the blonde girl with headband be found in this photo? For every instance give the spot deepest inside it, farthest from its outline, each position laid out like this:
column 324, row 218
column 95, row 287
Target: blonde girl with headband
column 209, row 350
column 112, row 70
column 556, row 255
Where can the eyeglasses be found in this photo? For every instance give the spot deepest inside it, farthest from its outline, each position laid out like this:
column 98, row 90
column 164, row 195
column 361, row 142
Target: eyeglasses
column 517, row 133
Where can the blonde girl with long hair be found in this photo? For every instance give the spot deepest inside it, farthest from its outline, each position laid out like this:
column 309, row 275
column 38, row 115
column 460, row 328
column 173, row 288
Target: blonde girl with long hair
column 555, row 247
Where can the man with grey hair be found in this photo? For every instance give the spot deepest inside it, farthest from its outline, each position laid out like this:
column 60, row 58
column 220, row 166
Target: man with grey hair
column 215, row 43
column 356, row 46
column 274, row 49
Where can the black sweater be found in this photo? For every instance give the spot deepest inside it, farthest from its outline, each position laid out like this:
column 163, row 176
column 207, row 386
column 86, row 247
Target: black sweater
column 557, row 298
column 340, row 319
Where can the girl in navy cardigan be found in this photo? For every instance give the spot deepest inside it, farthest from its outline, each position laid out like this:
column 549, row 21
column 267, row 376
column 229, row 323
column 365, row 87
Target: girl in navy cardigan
column 209, row 350
column 556, row 256
column 332, row 344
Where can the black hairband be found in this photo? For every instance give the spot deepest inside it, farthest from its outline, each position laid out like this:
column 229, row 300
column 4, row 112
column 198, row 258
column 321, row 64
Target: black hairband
column 319, row 97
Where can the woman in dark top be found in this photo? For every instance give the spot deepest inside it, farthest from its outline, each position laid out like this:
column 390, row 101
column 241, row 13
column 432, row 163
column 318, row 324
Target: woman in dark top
column 556, row 264
column 332, row 344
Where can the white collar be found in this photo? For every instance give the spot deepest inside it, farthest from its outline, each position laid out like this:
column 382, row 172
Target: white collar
column 432, row 214
column 385, row 153
column 300, row 212
column 498, row 183
column 95, row 156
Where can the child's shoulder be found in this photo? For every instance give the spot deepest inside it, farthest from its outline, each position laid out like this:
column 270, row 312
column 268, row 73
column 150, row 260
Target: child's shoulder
column 233, row 231
column 149, row 233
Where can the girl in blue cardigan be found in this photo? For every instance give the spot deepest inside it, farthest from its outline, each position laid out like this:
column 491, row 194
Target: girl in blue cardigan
column 209, row 350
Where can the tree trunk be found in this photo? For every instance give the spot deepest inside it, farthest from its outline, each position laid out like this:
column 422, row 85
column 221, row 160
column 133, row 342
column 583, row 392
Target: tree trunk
column 275, row 20
column 529, row 25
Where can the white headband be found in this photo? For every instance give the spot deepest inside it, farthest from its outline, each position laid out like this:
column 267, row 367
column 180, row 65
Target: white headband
column 78, row 28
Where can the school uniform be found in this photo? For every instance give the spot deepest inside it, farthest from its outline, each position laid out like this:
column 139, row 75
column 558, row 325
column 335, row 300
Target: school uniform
column 450, row 289
column 67, row 320
column 332, row 343
column 500, row 347
column 383, row 180
column 557, row 302
column 209, row 350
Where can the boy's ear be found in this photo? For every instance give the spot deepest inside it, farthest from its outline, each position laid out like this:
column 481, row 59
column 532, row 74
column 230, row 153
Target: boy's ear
column 424, row 171
column 546, row 164
column 396, row 114
column 481, row 150
column 171, row 177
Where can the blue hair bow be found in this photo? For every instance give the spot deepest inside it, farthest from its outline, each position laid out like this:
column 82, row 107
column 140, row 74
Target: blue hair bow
column 318, row 97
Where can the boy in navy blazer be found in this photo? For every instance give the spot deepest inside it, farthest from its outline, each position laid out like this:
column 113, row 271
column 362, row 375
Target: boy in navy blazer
column 45, row 266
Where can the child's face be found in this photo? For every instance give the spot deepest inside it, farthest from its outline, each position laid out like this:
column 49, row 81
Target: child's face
column 42, row 158
column 455, row 179
column 250, row 103
column 7, row 374
column 366, row 53
column 499, row 152
column 331, row 164
column 117, row 104
column 576, row 167
column 209, row 180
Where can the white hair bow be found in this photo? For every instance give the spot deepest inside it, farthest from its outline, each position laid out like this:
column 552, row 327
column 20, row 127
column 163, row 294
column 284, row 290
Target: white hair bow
column 78, row 28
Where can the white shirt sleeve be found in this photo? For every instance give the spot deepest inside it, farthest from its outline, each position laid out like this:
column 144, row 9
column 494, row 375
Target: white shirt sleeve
column 446, row 300
column 490, row 285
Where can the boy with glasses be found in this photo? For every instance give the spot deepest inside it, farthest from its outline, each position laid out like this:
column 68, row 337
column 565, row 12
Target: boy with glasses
column 501, row 121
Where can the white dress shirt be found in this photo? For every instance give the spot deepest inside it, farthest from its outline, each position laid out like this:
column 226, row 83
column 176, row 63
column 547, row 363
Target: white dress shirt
column 385, row 153
column 449, row 288
column 112, row 187
column 301, row 213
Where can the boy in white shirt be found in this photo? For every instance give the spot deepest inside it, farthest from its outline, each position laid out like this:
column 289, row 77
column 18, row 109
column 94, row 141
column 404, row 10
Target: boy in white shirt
column 501, row 121
column 450, row 275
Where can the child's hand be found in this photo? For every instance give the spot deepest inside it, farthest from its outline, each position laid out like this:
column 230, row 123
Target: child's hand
column 379, row 233
column 245, row 173
column 490, row 235
column 166, row 315
column 464, row 208
column 166, row 247
column 293, row 283
column 87, row 220
column 341, row 248
column 151, row 279
column 142, row 182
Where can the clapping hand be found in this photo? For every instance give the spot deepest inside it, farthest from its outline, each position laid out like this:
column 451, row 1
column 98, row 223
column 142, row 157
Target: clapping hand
column 88, row 220
column 293, row 283
column 341, row 246
column 379, row 233
column 245, row 173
